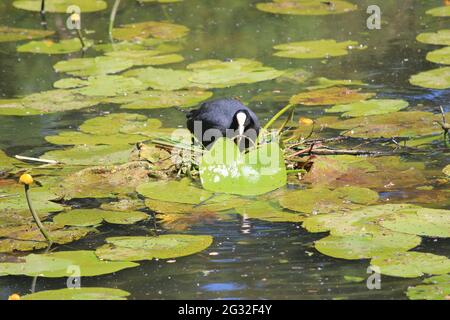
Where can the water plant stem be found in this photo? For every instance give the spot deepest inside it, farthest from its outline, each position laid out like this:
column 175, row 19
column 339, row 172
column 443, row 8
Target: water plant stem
column 278, row 115
column 112, row 18
column 35, row 216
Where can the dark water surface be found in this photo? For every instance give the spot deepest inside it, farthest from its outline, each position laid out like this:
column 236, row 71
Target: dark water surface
column 251, row 259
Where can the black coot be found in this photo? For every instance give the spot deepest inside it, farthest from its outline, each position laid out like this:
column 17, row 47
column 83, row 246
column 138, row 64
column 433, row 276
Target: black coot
column 223, row 118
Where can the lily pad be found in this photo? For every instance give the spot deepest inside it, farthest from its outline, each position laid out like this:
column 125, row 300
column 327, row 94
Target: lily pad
column 84, row 67
column 306, row 8
column 59, row 264
column 330, row 96
column 434, row 288
column 441, row 56
column 446, row 170
column 92, row 217
column 296, row 75
column 369, row 107
column 146, row 57
column 51, row 47
column 323, row 200
column 91, row 155
column 315, row 49
column 6, row 162
column 162, row 99
column 263, row 210
column 80, row 138
column 411, row 264
column 441, row 37
column 8, row 34
column 148, row 248
column 396, row 124
column 219, row 74
column 432, row 79
column 424, row 222
column 60, row 6
column 150, row 29
column 440, row 11
column 164, row 191
column 225, row 169
column 364, row 246
column 161, row 79
column 324, row 83
column 84, row 293
column 110, row 86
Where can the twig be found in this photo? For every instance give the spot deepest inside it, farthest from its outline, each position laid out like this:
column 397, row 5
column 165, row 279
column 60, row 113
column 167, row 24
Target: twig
column 36, row 159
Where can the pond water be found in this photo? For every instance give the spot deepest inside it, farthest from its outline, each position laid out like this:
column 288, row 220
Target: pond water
column 249, row 258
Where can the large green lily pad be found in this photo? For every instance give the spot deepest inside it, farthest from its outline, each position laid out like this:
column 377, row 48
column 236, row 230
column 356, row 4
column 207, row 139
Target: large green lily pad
column 306, row 8
column 84, row 293
column 146, row 57
column 441, row 37
column 92, row 217
column 110, row 86
column 164, row 191
column 47, row 102
column 364, row 246
column 368, row 107
column 225, row 169
column 60, row 6
column 80, row 138
column 434, row 288
column 315, row 49
column 219, row 74
column 84, row 67
column 114, row 123
column 8, row 34
column 411, row 264
column 161, row 79
column 396, row 124
column 149, row 248
column 323, row 200
column 162, row 99
column 439, row 11
column 441, row 56
column 330, row 96
column 59, row 264
column 51, row 47
column 424, row 222
column 150, row 29
column 432, row 79
column 263, row 210
column 91, row 154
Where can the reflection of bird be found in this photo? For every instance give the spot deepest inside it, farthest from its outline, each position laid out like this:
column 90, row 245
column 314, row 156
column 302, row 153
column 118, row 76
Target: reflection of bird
column 224, row 118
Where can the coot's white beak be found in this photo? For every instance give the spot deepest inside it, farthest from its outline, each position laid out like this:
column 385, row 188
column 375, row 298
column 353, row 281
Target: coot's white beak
column 241, row 117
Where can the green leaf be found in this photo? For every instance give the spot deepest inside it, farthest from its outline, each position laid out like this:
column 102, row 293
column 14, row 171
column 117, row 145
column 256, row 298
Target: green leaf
column 225, row 169
column 441, row 56
column 446, row 170
column 91, row 155
column 164, row 191
column 424, row 222
column 410, row 264
column 440, row 11
column 83, row 293
column 148, row 248
column 80, row 138
column 50, row 47
column 432, row 79
column 8, row 34
column 364, row 246
column 150, row 29
column 368, row 107
column 324, row 83
column 315, row 49
column 146, row 57
column 434, row 288
column 60, row 264
column 92, row 217
column 161, row 79
column 263, row 210
column 110, row 86
column 306, row 7
column 85, row 67
column 60, row 6
column 330, row 96
column 441, row 37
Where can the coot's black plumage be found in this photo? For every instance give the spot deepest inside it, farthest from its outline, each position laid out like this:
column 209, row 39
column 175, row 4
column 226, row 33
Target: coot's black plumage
column 229, row 118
